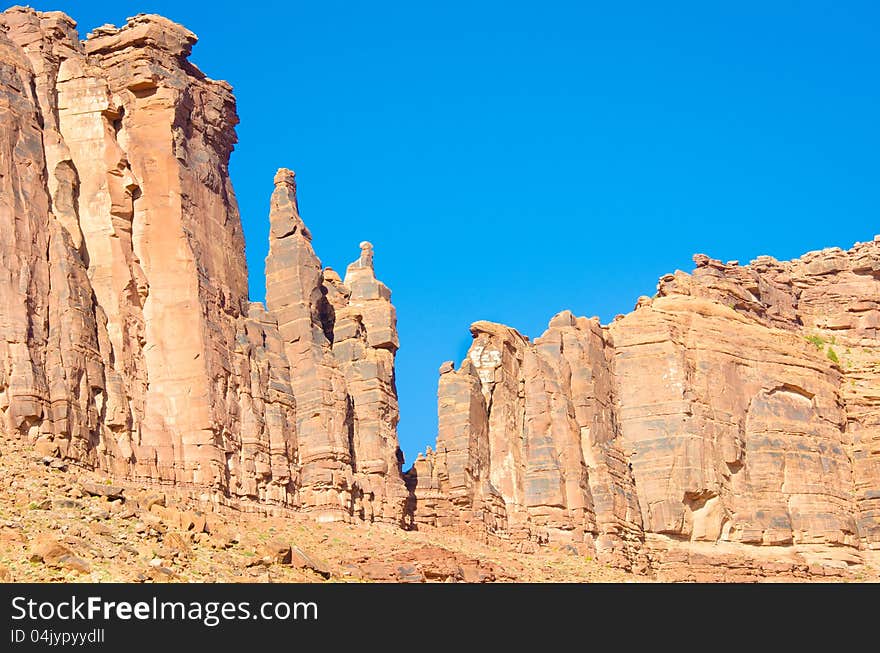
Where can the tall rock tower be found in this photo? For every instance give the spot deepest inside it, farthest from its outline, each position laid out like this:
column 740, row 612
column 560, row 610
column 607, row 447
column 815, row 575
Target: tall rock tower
column 127, row 340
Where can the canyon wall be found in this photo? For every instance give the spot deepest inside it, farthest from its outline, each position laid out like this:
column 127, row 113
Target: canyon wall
column 731, row 422
column 739, row 407
column 127, row 340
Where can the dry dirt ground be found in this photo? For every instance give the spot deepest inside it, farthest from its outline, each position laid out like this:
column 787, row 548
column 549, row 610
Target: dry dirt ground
column 62, row 523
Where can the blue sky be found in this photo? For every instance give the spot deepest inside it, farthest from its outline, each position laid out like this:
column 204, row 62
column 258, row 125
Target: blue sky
column 509, row 160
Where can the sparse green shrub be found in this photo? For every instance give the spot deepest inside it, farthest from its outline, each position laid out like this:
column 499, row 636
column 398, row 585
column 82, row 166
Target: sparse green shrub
column 832, row 356
column 818, row 341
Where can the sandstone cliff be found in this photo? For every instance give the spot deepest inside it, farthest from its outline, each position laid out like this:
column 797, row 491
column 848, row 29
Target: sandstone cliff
column 127, row 340
column 731, row 422
column 738, row 406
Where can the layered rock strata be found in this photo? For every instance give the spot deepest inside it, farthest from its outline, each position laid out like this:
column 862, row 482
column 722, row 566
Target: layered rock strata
column 131, row 183
column 732, row 419
column 340, row 338
column 127, row 339
column 738, row 406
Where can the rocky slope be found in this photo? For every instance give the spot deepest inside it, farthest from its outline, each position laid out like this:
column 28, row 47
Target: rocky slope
column 61, row 523
column 731, row 422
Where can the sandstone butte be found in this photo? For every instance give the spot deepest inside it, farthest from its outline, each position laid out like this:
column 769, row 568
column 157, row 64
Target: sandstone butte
column 729, row 425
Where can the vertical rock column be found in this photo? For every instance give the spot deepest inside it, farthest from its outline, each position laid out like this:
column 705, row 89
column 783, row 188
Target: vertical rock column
column 509, row 452
column 557, row 489
column 295, row 294
column 463, row 437
column 77, row 399
column 90, row 122
column 364, row 344
column 175, row 127
column 262, row 459
column 535, row 459
column 497, row 354
column 450, row 487
column 24, row 273
column 576, row 350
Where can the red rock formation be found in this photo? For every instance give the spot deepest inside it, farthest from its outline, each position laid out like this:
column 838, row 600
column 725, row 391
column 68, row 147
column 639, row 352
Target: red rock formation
column 530, row 428
column 295, row 295
column 340, row 338
column 146, row 358
column 736, row 407
column 364, row 344
column 732, row 419
column 175, row 126
column 24, row 222
column 451, row 487
column 579, row 353
column 261, row 448
column 827, row 302
column 124, row 114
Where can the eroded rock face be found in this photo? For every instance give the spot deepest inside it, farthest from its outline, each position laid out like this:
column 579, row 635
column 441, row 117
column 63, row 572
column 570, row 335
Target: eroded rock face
column 737, row 406
column 133, row 175
column 127, row 340
column 735, row 414
column 743, row 440
column 527, row 443
column 451, row 487
column 831, row 300
column 295, row 295
column 364, row 344
column 24, row 221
